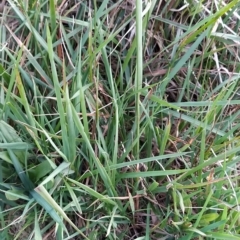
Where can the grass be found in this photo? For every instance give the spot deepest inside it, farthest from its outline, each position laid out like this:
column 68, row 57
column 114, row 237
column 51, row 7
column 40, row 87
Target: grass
column 119, row 120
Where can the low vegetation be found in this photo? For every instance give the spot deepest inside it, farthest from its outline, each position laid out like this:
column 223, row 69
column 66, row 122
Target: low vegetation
column 119, row 120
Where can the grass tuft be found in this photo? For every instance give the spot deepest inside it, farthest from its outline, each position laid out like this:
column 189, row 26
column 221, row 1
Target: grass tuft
column 119, row 120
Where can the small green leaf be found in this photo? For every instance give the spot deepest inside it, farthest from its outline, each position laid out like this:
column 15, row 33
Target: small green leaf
column 153, row 186
column 181, row 202
column 15, row 194
column 40, row 170
column 207, row 218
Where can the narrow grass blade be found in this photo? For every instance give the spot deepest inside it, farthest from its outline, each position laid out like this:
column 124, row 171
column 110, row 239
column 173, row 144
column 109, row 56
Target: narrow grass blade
column 92, row 192
column 40, row 190
column 58, row 95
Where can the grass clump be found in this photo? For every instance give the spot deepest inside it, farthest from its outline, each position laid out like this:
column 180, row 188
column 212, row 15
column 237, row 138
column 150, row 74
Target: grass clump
column 119, row 120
